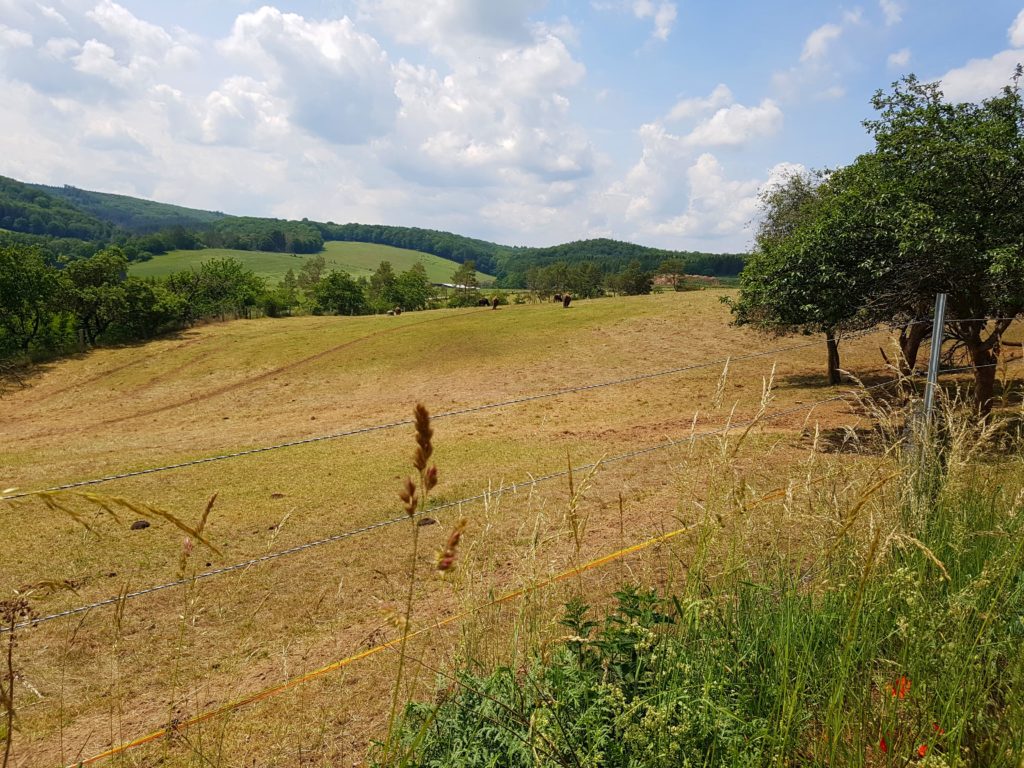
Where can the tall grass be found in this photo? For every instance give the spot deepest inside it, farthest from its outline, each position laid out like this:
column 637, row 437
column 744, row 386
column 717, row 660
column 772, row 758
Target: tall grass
column 891, row 633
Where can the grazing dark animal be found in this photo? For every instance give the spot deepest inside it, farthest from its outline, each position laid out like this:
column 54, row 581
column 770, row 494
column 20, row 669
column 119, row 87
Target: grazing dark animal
column 139, row 525
column 398, row 310
column 483, row 303
column 558, row 297
column 565, row 300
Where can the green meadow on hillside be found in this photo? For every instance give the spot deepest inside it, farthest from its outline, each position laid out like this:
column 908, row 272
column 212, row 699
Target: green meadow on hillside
column 358, row 259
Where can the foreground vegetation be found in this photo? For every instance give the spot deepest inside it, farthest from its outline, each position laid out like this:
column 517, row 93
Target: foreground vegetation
column 900, row 641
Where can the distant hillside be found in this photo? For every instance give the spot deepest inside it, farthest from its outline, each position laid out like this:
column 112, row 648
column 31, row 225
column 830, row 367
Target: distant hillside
column 66, row 216
column 447, row 245
column 357, row 259
column 613, row 256
column 133, row 214
column 510, row 264
column 24, row 208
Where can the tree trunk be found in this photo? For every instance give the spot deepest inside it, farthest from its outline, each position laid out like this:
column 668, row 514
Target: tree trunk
column 984, row 354
column 833, row 357
column 911, row 338
column 984, row 358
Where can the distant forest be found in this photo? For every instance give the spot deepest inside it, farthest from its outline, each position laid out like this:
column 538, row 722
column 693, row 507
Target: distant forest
column 67, row 223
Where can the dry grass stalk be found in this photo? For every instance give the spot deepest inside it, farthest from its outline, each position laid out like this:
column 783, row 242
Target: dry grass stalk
column 414, row 497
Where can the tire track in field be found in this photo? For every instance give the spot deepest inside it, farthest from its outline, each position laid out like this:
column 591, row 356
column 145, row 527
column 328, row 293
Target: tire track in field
column 269, row 374
column 116, row 369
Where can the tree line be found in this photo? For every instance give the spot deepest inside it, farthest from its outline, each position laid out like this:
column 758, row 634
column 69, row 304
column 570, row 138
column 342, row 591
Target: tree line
column 934, row 207
column 50, row 308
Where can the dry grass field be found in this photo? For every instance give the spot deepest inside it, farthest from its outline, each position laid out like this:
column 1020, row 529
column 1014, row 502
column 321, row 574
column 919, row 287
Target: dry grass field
column 117, row 672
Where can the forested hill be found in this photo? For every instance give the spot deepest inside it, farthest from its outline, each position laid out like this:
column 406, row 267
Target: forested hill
column 511, row 264
column 614, row 256
column 70, row 223
column 132, row 213
column 26, row 209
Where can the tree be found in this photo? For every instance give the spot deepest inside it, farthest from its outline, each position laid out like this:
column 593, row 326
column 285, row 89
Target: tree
column 633, row 280
column 339, row 294
column 413, row 288
column 466, row 284
column 227, row 287
column 311, row 272
column 28, row 293
column 811, row 267
column 953, row 181
column 934, row 208
column 94, row 293
column 465, row 277
column 382, row 294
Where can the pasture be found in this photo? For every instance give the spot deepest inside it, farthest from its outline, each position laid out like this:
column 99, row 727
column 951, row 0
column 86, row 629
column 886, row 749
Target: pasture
column 357, row 259
column 113, row 673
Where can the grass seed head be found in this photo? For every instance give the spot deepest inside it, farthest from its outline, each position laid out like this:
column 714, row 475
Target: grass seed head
column 446, row 559
column 424, row 435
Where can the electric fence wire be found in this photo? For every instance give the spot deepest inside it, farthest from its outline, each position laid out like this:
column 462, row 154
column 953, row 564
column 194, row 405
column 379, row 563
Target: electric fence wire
column 435, row 417
column 512, row 488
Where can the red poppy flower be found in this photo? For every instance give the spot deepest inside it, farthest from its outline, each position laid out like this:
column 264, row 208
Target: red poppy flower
column 922, row 750
column 901, row 687
column 882, row 745
column 938, row 729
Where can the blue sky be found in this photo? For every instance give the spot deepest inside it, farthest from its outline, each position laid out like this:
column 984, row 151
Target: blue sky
column 521, row 121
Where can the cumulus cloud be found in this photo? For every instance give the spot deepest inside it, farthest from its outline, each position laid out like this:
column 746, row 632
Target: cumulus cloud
column 737, row 124
column 243, row 111
column 336, row 80
column 445, row 24
column 817, row 43
column 899, row 59
column 678, row 190
column 101, row 52
column 1016, row 31
column 981, row 78
column 491, row 116
column 717, row 206
column 892, row 11
column 663, row 14
column 14, row 38
column 494, row 109
column 686, row 109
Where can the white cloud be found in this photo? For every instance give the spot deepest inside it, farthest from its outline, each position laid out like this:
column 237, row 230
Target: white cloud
column 892, row 11
column 692, row 107
column 243, row 112
column 447, row 24
column 336, row 80
column 899, row 59
column 736, row 125
column 14, row 38
column 981, row 78
column 102, row 51
column 663, row 13
column 719, row 207
column 1016, row 31
column 54, row 14
column 817, row 43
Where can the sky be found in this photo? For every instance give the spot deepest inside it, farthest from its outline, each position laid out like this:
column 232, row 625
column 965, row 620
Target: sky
column 520, row 121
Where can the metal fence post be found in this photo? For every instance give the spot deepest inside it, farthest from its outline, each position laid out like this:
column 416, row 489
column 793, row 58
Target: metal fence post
column 938, row 336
